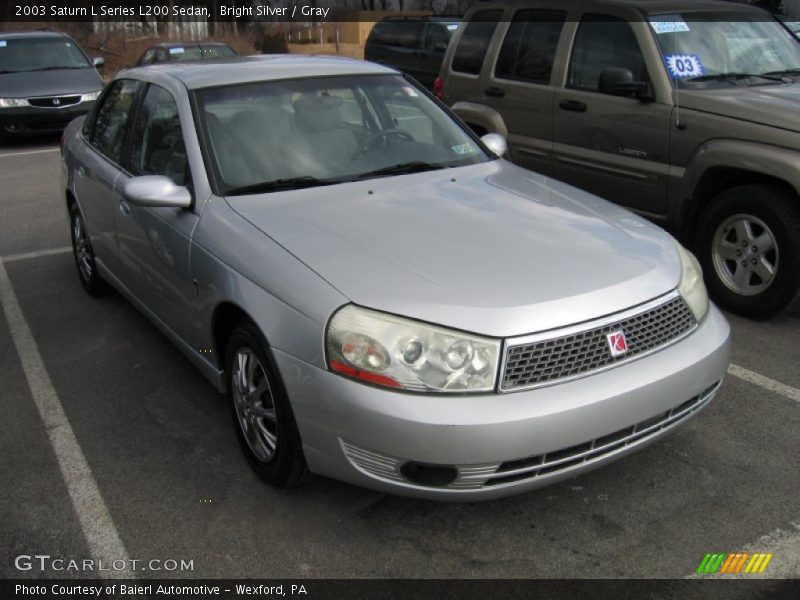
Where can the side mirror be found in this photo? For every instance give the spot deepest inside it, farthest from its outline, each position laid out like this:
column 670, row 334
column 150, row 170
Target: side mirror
column 619, row 82
column 98, row 62
column 156, row 191
column 496, row 143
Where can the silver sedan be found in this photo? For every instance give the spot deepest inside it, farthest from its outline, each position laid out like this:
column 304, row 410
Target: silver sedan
column 380, row 296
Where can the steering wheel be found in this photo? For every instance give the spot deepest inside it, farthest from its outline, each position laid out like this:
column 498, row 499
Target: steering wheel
column 385, row 134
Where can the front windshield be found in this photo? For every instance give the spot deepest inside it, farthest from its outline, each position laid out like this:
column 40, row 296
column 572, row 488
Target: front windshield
column 717, row 49
column 36, row 54
column 307, row 132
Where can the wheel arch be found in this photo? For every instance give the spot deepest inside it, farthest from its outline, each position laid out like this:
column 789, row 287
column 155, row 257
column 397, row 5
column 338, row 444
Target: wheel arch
column 226, row 316
column 723, row 164
column 480, row 116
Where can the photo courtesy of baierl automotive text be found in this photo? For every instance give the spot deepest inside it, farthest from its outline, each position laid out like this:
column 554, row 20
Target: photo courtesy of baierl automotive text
column 400, row 298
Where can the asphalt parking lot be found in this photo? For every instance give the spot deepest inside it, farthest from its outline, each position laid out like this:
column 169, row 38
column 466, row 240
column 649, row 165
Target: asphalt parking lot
column 173, row 484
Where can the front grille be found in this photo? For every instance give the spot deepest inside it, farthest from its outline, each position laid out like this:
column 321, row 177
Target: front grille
column 54, row 101
column 550, row 360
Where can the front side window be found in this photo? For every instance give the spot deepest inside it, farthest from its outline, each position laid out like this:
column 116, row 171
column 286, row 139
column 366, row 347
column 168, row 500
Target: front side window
column 603, row 42
column 40, row 54
column 108, row 132
column 721, row 49
column 475, row 41
column 157, row 147
column 149, row 57
column 530, row 46
column 280, row 135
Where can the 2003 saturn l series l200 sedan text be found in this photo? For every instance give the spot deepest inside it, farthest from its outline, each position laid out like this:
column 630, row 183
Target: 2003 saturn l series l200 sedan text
column 385, row 300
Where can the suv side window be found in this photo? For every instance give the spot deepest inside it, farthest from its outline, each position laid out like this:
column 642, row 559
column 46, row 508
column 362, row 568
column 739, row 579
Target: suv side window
column 108, row 131
column 530, row 46
column 475, row 41
column 157, row 147
column 407, row 34
column 437, row 35
column 603, row 42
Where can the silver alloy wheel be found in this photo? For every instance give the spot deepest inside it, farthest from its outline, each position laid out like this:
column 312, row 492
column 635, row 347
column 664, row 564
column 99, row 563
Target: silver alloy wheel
column 82, row 249
column 745, row 254
column 255, row 406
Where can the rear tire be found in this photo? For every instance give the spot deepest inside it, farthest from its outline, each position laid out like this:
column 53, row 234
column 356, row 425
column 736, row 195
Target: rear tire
column 262, row 416
column 749, row 247
column 84, row 255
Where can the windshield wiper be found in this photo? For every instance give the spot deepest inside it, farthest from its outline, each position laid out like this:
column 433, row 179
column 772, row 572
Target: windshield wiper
column 415, row 166
column 293, row 183
column 792, row 71
column 732, row 76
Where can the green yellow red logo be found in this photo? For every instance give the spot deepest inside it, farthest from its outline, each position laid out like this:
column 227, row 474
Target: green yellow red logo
column 734, row 563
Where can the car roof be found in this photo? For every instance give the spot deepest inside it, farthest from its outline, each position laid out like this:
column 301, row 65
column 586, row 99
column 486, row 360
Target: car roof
column 191, row 44
column 32, row 34
column 641, row 6
column 263, row 67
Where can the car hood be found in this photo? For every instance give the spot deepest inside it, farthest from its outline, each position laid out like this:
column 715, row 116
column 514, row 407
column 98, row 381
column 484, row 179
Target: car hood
column 490, row 248
column 773, row 105
column 59, row 82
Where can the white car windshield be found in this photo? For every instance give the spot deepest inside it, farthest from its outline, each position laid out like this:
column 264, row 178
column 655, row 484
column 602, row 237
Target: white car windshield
column 291, row 134
column 717, row 49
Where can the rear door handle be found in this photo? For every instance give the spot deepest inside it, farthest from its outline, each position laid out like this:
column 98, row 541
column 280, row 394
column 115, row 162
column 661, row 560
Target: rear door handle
column 573, row 105
column 495, row 91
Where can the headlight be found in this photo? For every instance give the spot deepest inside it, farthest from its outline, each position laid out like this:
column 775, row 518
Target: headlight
column 400, row 353
column 90, row 96
column 13, row 102
column 691, row 286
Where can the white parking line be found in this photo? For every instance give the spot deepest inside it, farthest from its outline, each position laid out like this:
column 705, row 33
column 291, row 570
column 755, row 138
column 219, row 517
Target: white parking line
column 36, row 254
column 27, row 152
column 99, row 530
column 764, row 382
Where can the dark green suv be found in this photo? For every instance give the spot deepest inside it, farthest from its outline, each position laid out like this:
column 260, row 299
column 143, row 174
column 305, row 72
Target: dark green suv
column 686, row 112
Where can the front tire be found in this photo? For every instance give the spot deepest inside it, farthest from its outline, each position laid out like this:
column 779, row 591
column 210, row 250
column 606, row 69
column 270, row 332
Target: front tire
column 84, row 255
column 262, row 416
column 750, row 249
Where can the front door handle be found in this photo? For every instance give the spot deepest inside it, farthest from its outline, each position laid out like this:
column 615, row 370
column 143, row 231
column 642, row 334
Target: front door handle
column 124, row 208
column 573, row 105
column 495, row 91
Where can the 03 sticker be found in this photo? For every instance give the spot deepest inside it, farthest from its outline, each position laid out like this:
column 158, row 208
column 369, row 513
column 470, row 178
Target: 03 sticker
column 681, row 66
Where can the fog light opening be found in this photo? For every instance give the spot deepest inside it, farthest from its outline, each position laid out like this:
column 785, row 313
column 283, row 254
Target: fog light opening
column 429, row 475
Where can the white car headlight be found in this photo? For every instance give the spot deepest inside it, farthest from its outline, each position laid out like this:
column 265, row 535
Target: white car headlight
column 390, row 351
column 13, row 102
column 691, row 286
column 90, row 96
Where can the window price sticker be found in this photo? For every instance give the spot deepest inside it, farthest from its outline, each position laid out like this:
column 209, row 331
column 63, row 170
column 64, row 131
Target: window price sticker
column 2, row 43
column 684, row 65
column 673, row 26
column 176, row 50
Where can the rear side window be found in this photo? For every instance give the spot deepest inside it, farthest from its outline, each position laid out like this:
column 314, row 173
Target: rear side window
column 603, row 42
column 108, row 131
column 530, row 46
column 407, row 34
column 475, row 41
column 437, row 37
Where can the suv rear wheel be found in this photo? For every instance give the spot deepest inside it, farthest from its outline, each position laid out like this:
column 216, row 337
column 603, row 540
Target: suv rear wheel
column 750, row 249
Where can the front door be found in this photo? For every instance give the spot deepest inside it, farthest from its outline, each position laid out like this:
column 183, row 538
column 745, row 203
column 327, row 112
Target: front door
column 616, row 147
column 155, row 242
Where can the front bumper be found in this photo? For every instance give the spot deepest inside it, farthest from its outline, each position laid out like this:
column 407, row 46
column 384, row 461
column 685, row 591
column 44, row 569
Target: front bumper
column 500, row 444
column 29, row 120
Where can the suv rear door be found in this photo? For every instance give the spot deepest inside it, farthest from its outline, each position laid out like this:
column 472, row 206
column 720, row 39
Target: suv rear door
column 616, row 147
column 519, row 86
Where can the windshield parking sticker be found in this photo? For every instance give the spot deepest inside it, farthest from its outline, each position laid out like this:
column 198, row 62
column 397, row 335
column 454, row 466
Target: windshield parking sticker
column 463, row 149
column 684, row 65
column 671, row 26
column 176, row 50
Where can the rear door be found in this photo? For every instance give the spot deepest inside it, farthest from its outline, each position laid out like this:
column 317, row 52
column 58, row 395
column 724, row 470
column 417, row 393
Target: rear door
column 98, row 169
column 616, row 147
column 519, row 86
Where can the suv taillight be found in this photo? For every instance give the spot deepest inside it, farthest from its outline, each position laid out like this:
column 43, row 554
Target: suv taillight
column 438, row 88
